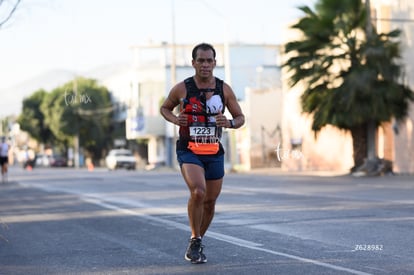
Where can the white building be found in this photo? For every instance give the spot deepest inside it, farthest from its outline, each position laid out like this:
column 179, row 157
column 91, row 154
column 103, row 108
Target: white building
column 153, row 76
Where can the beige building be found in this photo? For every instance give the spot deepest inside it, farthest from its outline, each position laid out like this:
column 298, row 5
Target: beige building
column 332, row 149
column 263, row 130
column 399, row 138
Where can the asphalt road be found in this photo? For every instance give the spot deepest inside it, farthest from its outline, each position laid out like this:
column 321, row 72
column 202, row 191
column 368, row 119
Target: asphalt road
column 67, row 221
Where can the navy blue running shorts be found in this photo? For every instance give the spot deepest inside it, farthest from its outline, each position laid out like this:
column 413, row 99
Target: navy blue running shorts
column 213, row 164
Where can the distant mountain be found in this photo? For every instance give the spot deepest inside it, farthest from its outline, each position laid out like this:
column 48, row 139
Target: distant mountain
column 11, row 98
column 106, row 71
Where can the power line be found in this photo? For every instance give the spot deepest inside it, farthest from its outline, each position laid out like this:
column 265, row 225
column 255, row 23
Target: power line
column 402, row 20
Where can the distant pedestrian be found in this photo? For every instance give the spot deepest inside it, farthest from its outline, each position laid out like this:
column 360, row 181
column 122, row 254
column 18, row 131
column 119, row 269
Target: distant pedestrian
column 202, row 99
column 4, row 158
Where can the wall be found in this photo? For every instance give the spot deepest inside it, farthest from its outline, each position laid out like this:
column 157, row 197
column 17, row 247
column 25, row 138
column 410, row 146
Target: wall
column 401, row 13
column 264, row 121
column 301, row 150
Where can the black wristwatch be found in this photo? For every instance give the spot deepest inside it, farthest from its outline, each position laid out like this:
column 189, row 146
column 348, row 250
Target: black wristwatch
column 231, row 123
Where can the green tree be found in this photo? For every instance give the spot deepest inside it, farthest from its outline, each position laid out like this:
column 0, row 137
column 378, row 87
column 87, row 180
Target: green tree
column 31, row 119
column 351, row 78
column 80, row 108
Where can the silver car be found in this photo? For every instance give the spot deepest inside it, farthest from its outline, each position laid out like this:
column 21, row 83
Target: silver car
column 120, row 158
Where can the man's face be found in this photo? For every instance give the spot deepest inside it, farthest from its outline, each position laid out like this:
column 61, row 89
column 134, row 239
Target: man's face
column 204, row 63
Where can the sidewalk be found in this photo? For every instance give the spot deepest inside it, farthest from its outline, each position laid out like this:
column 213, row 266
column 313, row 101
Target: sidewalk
column 16, row 171
column 279, row 171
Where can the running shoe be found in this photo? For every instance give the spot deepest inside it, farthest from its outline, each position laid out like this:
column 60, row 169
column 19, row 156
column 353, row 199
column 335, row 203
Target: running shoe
column 194, row 252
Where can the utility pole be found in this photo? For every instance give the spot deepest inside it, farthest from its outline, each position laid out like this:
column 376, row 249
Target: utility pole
column 171, row 133
column 76, row 138
column 371, row 128
column 174, row 47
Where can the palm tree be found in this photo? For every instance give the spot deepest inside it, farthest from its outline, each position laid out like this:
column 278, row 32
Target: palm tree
column 351, row 78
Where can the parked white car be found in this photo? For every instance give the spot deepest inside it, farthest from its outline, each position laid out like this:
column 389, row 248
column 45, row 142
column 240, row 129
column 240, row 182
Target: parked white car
column 120, row 158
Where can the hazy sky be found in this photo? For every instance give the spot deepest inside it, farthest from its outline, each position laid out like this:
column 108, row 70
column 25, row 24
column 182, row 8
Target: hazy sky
column 83, row 34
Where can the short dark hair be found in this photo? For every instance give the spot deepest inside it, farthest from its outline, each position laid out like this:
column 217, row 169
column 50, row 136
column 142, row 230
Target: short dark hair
column 204, row 47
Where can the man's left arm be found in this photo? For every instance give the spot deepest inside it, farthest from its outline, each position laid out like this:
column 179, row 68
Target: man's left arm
column 234, row 108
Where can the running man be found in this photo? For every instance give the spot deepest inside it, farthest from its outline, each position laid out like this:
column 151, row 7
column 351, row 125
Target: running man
column 4, row 158
column 202, row 99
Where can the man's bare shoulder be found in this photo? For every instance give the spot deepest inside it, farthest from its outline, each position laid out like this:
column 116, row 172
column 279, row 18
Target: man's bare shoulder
column 227, row 90
column 178, row 90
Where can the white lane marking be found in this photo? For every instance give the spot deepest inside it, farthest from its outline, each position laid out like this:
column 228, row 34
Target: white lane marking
column 222, row 237
column 97, row 200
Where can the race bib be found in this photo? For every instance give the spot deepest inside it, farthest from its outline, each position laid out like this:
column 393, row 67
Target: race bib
column 200, row 131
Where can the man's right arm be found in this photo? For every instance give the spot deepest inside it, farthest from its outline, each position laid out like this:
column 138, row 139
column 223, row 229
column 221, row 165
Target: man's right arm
column 172, row 100
column 166, row 111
